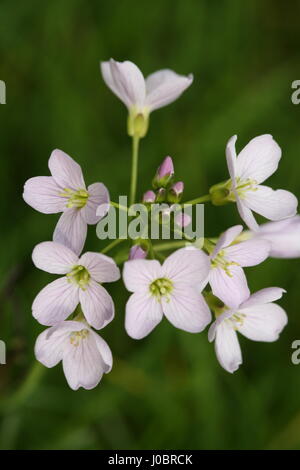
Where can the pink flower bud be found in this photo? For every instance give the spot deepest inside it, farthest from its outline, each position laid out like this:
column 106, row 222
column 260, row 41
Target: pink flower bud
column 166, row 168
column 149, row 196
column 183, row 220
column 137, row 252
column 178, row 188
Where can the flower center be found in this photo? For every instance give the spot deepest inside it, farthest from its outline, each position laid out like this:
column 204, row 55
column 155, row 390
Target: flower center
column 242, row 186
column 77, row 198
column 220, row 261
column 236, row 320
column 80, row 276
column 161, row 288
column 77, row 336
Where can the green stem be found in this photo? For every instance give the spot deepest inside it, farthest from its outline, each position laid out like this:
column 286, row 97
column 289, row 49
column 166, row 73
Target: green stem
column 119, row 206
column 134, row 169
column 198, row 200
column 170, row 245
column 113, row 244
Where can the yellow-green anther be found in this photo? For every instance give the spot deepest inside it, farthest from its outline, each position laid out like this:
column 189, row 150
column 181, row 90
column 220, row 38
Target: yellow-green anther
column 220, row 261
column 77, row 336
column 75, row 198
column 80, row 276
column 161, row 288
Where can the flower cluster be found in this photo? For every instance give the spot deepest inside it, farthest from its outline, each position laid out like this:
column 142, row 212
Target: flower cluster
column 187, row 286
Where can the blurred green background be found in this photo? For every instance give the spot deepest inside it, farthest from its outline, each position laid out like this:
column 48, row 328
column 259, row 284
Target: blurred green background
column 166, row 391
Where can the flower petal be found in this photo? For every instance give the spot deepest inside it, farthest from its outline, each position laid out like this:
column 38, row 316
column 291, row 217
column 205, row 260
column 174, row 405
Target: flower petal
column 97, row 305
column 125, row 80
column 139, row 273
column 259, row 159
column 227, row 347
column 233, row 289
column 284, row 236
column 227, row 238
column 43, row 194
column 105, row 352
column 71, row 230
column 273, row 205
column 98, row 196
column 187, row 266
column 49, row 346
column 143, row 313
column 263, row 296
column 246, row 214
column 248, row 253
column 102, row 268
column 164, row 87
column 66, row 172
column 231, row 157
column 54, row 258
column 263, row 322
column 83, row 364
column 186, row 309
column 55, row 302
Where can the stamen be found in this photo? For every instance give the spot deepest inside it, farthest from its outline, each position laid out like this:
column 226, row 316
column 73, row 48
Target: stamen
column 80, row 276
column 77, row 336
column 161, row 288
column 75, row 198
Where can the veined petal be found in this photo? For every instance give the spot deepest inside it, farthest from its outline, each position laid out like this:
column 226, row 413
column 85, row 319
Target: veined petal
column 248, row 253
column 227, row 347
column 263, row 322
column 98, row 196
column 97, row 305
column 233, row 289
column 43, row 194
column 82, row 363
column 263, row 296
column 274, row 205
column 66, row 172
column 186, row 309
column 49, row 346
column 259, row 159
column 246, row 214
column 227, row 238
column 187, row 266
column 54, row 258
column 284, row 236
column 55, row 302
column 164, row 87
column 231, row 157
column 105, row 352
column 71, row 230
column 127, row 81
column 102, row 268
column 143, row 313
column 138, row 274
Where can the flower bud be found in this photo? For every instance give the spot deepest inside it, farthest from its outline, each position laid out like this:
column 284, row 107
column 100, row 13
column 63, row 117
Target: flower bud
column 164, row 174
column 137, row 252
column 161, row 195
column 175, row 192
column 149, row 196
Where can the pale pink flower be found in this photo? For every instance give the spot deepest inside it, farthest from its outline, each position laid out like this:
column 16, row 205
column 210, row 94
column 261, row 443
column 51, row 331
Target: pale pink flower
column 171, row 289
column 254, row 164
column 226, row 277
column 284, row 237
column 149, row 196
column 142, row 96
column 65, row 191
column 257, row 318
column 81, row 283
column 84, row 354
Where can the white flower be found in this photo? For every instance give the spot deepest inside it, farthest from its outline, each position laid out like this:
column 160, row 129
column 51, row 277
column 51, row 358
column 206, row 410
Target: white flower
column 226, row 277
column 65, row 191
column 258, row 318
column 170, row 289
column 254, row 164
column 80, row 284
column 284, row 237
column 84, row 354
column 140, row 95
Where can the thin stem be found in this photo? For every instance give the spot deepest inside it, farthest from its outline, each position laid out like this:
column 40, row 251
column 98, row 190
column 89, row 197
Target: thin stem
column 198, row 200
column 169, row 246
column 134, row 168
column 113, row 244
column 119, row 206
